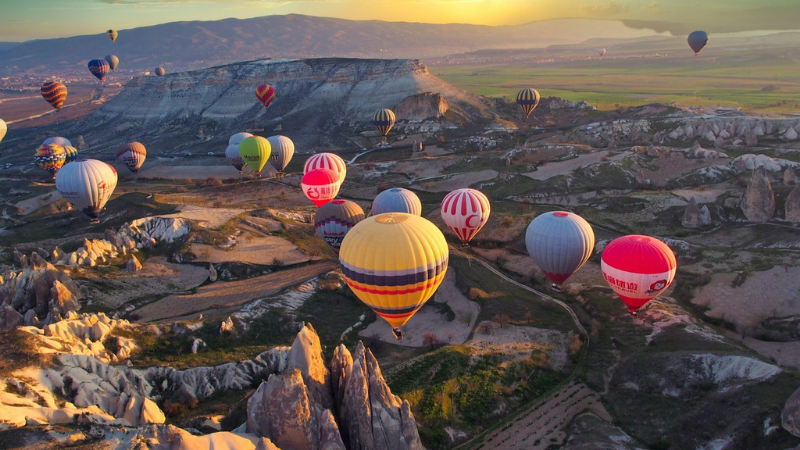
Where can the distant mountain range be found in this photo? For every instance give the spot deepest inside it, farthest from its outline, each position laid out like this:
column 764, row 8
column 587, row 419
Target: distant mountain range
column 192, row 45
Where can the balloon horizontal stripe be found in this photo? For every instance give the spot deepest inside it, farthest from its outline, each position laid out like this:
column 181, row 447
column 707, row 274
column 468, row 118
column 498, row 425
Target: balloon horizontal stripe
column 410, row 290
column 420, row 275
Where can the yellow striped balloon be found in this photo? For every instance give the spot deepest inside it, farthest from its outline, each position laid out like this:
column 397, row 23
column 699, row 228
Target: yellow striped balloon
column 394, row 263
column 383, row 121
column 528, row 100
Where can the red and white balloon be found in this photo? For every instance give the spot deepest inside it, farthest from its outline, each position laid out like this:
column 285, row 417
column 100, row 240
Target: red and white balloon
column 320, row 186
column 465, row 211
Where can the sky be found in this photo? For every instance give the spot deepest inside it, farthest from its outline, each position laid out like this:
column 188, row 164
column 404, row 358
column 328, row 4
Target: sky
column 22, row 20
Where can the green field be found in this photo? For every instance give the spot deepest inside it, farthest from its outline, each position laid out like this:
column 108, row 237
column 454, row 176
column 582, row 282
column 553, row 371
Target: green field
column 724, row 79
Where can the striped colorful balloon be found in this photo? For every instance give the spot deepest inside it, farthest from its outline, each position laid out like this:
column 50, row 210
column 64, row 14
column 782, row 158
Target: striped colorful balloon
column 528, row 100
column 133, row 155
column 265, row 94
column 465, row 211
column 50, row 157
column 334, row 219
column 326, row 161
column 71, row 154
column 394, row 263
column 55, row 93
column 384, row 121
column 99, row 68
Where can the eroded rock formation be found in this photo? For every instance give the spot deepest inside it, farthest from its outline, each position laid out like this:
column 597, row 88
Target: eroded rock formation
column 758, row 203
column 695, row 216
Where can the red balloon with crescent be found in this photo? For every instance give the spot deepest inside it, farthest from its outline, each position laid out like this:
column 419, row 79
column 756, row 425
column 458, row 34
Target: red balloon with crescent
column 638, row 268
column 265, row 94
column 320, row 185
column 465, row 211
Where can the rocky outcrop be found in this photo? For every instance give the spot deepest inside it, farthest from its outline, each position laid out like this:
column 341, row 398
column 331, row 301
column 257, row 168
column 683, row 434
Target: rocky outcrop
column 349, row 406
column 695, row 216
column 698, row 152
column 758, row 203
column 790, row 415
column 133, row 264
column 789, row 176
column 212, row 273
column 140, row 233
column 421, row 106
column 371, row 417
column 335, row 91
column 792, row 205
column 751, row 162
column 40, row 293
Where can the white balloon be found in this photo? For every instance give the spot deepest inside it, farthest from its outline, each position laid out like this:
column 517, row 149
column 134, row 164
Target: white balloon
column 87, row 184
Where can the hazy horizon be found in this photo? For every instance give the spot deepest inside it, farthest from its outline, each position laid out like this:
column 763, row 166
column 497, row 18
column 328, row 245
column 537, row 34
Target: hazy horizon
column 45, row 19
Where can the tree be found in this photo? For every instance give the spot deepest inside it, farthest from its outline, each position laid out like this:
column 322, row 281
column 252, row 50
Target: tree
column 502, row 319
column 431, row 339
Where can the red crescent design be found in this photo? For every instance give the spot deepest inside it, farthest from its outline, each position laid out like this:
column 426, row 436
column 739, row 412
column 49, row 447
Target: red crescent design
column 470, row 218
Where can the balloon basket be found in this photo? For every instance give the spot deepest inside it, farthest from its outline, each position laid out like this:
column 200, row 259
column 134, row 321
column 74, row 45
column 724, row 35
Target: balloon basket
column 398, row 333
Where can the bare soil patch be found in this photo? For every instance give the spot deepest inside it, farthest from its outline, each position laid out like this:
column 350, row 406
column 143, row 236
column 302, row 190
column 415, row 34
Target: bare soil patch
column 458, row 181
column 251, row 250
column 205, row 217
column 30, row 205
column 554, row 169
column 226, row 294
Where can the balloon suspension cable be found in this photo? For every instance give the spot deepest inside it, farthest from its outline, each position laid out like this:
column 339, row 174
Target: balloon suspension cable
column 398, row 333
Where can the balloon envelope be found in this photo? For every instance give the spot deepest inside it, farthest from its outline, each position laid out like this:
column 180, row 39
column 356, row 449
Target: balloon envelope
column 87, row 184
column 160, row 71
column 3, row 129
column 465, row 212
column 638, row 268
column 396, row 200
column 383, row 120
column 55, row 93
column 394, row 263
column 62, row 141
column 112, row 61
column 71, row 154
column 265, row 94
column 560, row 243
column 334, row 219
column 601, row 51
column 132, row 155
column 326, row 161
column 112, row 34
column 282, row 151
column 99, row 68
column 697, row 40
column 255, row 152
column 528, row 100
column 320, row 186
column 50, row 157
column 238, row 138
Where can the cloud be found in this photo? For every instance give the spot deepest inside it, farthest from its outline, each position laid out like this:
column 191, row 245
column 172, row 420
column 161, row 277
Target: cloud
column 609, row 9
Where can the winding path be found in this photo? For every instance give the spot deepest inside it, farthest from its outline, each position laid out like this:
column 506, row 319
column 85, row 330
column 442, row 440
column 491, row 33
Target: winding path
column 541, row 295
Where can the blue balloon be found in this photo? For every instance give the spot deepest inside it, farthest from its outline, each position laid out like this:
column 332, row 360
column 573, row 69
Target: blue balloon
column 396, row 200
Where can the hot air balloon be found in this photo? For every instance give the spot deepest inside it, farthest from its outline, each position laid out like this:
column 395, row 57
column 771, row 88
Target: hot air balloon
column 133, row 155
column 55, row 93
column 282, row 151
column 528, row 100
column 3, row 129
column 237, row 138
column 638, row 268
column 601, row 51
column 159, row 71
column 320, row 186
column 265, row 94
column 112, row 61
column 255, row 152
column 112, row 34
column 560, row 243
column 326, row 161
column 394, row 263
column 334, row 219
column 232, row 152
column 697, row 40
column 465, row 211
column 64, row 142
column 71, row 154
column 50, row 157
column 383, row 121
column 99, row 68
column 396, row 200
column 87, row 184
